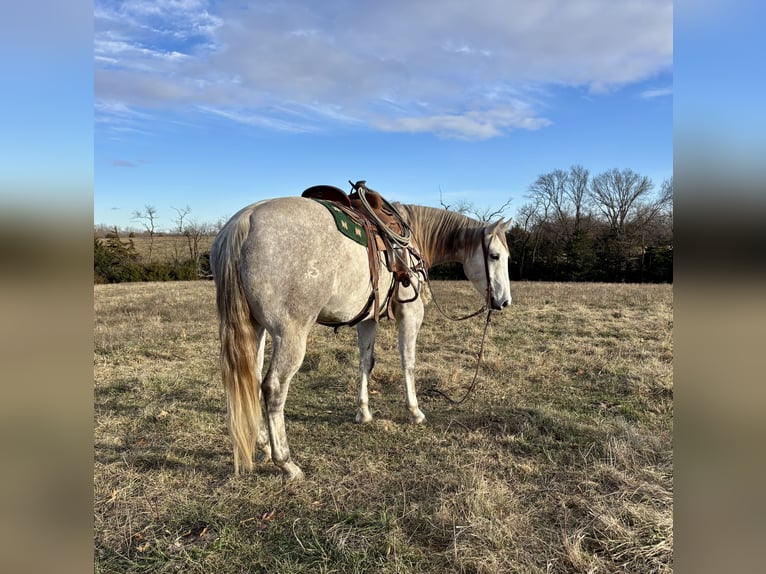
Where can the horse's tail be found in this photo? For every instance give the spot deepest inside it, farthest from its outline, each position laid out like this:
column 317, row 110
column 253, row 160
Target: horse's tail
column 239, row 368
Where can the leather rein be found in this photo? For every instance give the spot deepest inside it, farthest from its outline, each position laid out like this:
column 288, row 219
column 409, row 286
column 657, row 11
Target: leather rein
column 486, row 307
column 487, row 295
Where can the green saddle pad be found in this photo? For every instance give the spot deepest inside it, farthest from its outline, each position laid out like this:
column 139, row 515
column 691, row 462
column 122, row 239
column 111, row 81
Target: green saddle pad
column 345, row 225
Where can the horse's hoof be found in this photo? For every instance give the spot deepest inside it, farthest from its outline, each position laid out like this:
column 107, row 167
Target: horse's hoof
column 292, row 472
column 363, row 417
column 417, row 418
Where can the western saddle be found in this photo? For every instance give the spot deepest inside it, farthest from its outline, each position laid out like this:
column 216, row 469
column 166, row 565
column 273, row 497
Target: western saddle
column 387, row 232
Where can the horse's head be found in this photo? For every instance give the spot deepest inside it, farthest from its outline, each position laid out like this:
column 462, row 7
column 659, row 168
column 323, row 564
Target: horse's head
column 487, row 260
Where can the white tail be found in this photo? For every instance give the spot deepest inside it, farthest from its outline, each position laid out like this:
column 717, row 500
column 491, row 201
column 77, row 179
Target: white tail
column 239, row 368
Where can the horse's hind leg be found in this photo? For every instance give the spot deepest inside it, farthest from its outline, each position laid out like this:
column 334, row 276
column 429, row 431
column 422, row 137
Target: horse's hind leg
column 289, row 348
column 366, row 338
column 263, row 447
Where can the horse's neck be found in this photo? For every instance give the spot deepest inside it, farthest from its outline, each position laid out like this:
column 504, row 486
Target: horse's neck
column 442, row 236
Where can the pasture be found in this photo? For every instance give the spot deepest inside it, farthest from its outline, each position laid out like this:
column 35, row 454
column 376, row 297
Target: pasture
column 561, row 460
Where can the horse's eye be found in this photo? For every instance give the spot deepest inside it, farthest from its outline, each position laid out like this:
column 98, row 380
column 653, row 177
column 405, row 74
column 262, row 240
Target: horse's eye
column 494, row 256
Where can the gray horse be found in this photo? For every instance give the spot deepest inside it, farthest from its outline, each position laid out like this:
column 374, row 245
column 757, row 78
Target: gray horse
column 280, row 266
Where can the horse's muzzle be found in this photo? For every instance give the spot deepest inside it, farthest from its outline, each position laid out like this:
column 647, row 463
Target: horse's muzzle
column 499, row 306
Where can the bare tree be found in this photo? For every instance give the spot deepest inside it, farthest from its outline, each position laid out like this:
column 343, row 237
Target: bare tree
column 219, row 223
column 661, row 207
column 194, row 232
column 621, row 196
column 559, row 198
column 469, row 208
column 181, row 214
column 617, row 193
column 537, row 214
column 550, row 189
column 575, row 190
column 527, row 219
column 653, row 221
column 565, row 194
column 666, row 199
column 148, row 218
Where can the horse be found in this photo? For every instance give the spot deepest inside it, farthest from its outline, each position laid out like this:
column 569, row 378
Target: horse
column 280, row 266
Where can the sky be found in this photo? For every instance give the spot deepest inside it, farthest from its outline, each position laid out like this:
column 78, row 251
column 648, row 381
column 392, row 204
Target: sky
column 215, row 104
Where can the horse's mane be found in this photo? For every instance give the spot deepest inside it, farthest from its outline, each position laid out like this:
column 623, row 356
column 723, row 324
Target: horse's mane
column 440, row 232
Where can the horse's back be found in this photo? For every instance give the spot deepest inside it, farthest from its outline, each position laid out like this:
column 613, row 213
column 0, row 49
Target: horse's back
column 294, row 261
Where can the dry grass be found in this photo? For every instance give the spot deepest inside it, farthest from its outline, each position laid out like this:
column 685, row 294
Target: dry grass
column 560, row 462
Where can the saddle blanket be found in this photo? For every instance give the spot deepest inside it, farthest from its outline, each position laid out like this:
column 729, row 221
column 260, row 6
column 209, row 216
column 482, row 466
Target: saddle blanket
column 345, row 224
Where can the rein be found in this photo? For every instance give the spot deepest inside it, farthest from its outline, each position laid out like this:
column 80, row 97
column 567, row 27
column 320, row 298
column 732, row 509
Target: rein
column 486, row 307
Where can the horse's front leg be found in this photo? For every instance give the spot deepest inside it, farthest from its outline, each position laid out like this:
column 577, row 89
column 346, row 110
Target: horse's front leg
column 366, row 338
column 409, row 318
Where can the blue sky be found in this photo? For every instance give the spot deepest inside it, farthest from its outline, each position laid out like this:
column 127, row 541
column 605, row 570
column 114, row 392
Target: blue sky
column 215, row 104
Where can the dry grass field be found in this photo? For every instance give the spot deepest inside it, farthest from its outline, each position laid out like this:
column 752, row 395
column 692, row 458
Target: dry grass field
column 561, row 461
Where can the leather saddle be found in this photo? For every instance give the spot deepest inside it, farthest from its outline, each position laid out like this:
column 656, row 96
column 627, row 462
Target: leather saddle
column 380, row 221
column 356, row 209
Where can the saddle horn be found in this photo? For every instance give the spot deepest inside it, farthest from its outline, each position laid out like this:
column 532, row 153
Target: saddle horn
column 361, row 183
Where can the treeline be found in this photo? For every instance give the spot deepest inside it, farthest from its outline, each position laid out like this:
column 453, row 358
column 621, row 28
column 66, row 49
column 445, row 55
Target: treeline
column 614, row 227
column 116, row 261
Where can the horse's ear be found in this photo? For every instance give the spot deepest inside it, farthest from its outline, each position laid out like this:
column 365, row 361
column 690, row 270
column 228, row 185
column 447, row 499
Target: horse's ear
column 497, row 227
column 506, row 226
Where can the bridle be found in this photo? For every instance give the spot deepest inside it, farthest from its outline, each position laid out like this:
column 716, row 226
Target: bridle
column 485, row 252
column 487, row 295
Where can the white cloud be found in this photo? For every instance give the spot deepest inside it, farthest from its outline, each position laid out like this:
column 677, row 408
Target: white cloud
column 471, row 125
column 260, row 120
column 461, row 69
column 656, row 93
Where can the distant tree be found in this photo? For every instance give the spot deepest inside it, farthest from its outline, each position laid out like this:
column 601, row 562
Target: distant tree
column 181, row 215
column 148, row 218
column 114, row 260
column 612, row 227
column 619, row 195
column 521, row 234
column 193, row 231
column 178, row 230
column 549, row 190
column 219, row 223
column 653, row 229
column 666, row 201
column 576, row 191
column 559, row 202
